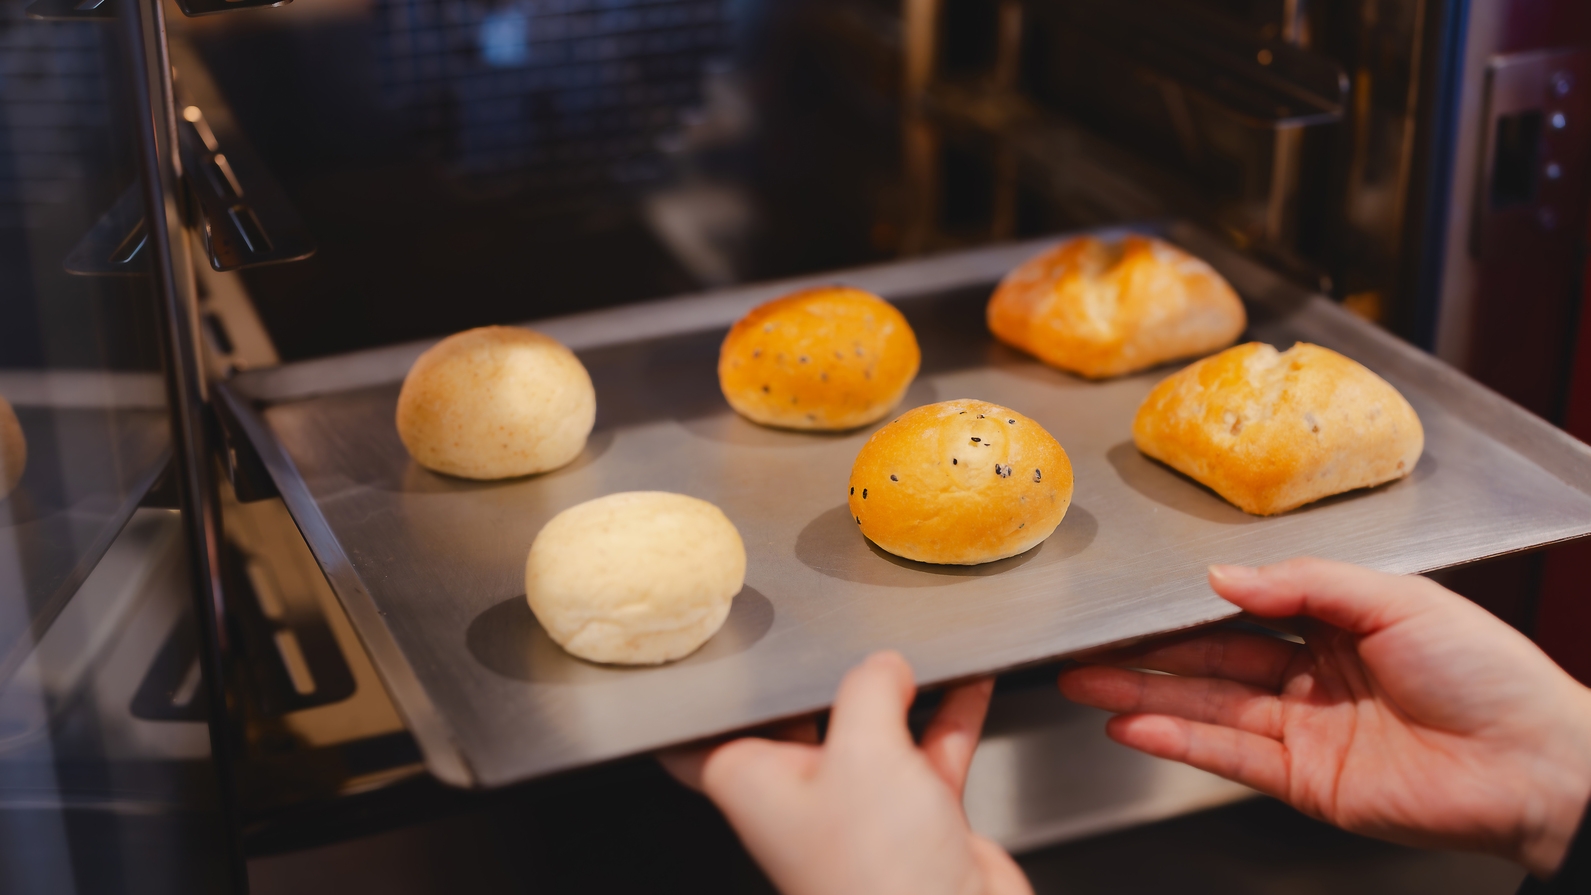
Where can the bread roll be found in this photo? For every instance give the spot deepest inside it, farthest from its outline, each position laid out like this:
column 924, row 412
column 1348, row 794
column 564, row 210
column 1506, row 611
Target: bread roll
column 636, row 578
column 1270, row 431
column 13, row 449
column 960, row 482
column 496, row 402
column 829, row 358
column 1103, row 309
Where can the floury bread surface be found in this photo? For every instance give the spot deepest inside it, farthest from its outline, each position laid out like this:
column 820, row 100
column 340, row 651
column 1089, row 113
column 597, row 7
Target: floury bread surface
column 1271, row 431
column 636, row 578
column 1103, row 309
column 494, row 403
column 13, row 449
column 960, row 482
column 829, row 358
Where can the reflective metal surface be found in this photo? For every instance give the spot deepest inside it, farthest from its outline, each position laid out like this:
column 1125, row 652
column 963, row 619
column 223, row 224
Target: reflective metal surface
column 430, row 568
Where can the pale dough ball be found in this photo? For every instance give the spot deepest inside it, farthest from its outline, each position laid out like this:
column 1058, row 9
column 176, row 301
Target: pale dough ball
column 960, row 483
column 637, row 578
column 831, row 358
column 13, row 449
column 494, row 403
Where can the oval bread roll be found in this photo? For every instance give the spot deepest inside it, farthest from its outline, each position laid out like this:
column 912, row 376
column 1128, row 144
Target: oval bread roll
column 960, row 482
column 636, row 578
column 829, row 358
column 1271, row 431
column 13, row 449
column 496, row 402
column 1104, row 309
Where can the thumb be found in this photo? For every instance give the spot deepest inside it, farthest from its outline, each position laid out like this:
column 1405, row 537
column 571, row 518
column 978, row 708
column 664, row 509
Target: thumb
column 1350, row 597
column 870, row 709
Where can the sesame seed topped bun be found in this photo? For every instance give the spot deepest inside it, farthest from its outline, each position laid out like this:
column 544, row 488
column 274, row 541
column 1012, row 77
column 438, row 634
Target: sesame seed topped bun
column 960, row 482
column 829, row 358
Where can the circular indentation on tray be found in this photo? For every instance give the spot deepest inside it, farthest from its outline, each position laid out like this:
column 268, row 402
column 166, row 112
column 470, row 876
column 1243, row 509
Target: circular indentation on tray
column 1170, row 488
column 730, row 427
column 833, row 545
column 508, row 640
column 416, row 479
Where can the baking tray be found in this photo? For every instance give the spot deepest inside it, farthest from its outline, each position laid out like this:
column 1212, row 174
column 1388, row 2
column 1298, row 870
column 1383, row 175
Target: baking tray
column 431, row 568
column 97, row 441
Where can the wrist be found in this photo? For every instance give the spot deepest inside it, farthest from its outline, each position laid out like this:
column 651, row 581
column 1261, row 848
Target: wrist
column 1561, row 804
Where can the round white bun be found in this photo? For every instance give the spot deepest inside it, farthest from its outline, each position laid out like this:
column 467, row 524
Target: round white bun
column 494, row 403
column 13, row 449
column 637, row 578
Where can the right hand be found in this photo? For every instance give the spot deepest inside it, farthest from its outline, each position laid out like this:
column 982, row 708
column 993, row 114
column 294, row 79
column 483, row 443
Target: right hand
column 1409, row 713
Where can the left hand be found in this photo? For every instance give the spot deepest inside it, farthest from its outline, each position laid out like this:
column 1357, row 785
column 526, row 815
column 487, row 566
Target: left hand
column 868, row 812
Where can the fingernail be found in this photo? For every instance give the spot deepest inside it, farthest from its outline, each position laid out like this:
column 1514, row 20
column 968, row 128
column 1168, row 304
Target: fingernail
column 1234, row 573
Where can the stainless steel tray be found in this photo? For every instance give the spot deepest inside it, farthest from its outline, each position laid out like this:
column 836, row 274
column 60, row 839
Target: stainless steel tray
column 431, row 568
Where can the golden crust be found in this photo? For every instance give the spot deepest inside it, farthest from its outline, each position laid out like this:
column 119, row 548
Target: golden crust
column 1271, row 431
column 496, row 402
column 13, row 449
column 960, row 482
column 1100, row 309
column 829, row 358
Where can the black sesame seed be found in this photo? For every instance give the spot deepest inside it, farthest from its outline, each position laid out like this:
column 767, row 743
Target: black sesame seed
column 980, row 416
column 765, row 389
column 952, row 461
column 858, row 520
column 803, row 358
column 977, row 439
column 1038, row 475
column 1012, row 422
column 1023, row 525
column 864, row 493
column 894, row 479
column 963, row 413
column 853, row 490
column 1003, row 472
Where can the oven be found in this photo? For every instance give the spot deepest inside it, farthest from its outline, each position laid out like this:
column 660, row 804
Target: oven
column 216, row 213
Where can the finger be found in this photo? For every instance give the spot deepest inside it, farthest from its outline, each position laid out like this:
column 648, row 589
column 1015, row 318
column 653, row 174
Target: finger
column 870, row 708
column 1204, row 699
column 1247, row 658
column 685, row 765
column 1247, row 758
column 1350, row 597
column 952, row 735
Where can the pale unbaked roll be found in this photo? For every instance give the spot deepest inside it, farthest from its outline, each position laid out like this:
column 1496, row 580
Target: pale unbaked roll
column 960, row 482
column 13, row 449
column 496, row 402
column 637, row 578
column 1272, row 430
column 829, row 358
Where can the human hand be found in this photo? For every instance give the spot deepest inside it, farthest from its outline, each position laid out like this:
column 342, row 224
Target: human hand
column 868, row 812
column 1409, row 713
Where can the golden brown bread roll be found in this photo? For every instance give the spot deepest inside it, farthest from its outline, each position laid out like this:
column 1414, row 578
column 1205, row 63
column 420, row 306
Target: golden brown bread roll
column 13, row 449
column 827, row 358
column 636, row 578
column 1270, row 431
column 1103, row 309
column 960, row 482
column 496, row 402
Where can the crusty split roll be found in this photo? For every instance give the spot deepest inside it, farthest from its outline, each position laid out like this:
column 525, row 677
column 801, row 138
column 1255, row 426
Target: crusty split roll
column 1273, row 430
column 1102, row 309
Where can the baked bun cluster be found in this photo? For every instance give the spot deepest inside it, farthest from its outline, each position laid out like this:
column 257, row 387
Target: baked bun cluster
column 831, row 358
column 1271, row 431
column 13, row 449
column 636, row 578
column 494, row 403
column 1102, row 309
column 960, row 482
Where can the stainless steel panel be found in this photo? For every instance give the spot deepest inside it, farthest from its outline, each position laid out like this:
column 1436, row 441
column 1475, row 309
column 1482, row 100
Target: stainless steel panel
column 430, row 568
